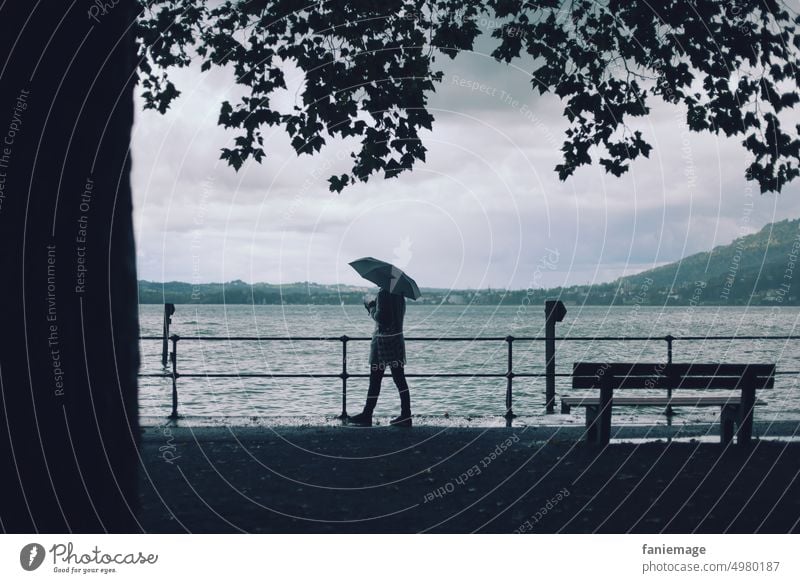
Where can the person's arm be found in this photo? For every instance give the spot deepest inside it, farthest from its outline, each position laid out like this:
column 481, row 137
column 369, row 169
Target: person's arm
column 380, row 310
column 372, row 306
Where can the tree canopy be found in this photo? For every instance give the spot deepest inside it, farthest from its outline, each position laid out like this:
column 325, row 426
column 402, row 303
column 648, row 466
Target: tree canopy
column 370, row 65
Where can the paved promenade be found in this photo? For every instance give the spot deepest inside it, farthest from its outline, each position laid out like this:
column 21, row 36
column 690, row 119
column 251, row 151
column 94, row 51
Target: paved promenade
column 464, row 479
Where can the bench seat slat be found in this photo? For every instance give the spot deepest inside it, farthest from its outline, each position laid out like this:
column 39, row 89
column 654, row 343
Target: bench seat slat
column 658, row 401
column 650, row 382
column 661, row 368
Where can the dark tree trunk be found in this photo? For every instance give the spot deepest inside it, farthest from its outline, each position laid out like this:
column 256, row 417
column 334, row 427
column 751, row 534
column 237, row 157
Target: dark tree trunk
column 69, row 357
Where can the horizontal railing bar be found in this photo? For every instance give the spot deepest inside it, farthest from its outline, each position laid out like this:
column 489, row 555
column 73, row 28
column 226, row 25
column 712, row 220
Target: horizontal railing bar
column 337, row 376
column 168, row 375
column 339, row 338
column 664, row 338
column 469, row 338
column 790, row 337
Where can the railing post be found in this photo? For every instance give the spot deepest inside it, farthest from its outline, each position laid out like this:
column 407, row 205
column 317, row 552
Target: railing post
column 554, row 311
column 174, row 358
column 669, row 338
column 510, row 378
column 344, row 375
column 169, row 309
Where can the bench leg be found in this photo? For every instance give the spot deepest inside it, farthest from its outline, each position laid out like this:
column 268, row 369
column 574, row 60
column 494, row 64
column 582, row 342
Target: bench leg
column 591, row 424
column 565, row 408
column 606, row 395
column 728, row 417
column 748, row 403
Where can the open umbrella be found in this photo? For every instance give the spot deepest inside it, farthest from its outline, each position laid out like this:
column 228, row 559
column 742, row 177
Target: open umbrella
column 386, row 276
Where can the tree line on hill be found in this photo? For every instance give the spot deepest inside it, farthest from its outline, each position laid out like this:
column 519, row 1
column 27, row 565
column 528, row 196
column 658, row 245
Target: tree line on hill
column 756, row 269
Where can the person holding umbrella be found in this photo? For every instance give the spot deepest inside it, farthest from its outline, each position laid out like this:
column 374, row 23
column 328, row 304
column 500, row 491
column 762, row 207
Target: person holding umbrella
column 388, row 348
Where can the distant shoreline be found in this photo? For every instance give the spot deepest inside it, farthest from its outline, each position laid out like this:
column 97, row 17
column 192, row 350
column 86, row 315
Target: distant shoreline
column 753, row 270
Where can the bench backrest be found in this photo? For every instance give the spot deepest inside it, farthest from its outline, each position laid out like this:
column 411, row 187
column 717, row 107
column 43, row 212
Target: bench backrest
column 590, row 375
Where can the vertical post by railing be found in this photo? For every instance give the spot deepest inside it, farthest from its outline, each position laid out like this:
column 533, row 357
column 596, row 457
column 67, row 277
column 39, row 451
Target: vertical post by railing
column 344, row 375
column 174, row 358
column 669, row 338
column 554, row 311
column 169, row 309
column 510, row 378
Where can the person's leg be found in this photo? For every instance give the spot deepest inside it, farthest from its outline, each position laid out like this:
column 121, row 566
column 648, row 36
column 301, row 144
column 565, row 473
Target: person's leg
column 375, row 377
column 399, row 377
column 365, row 417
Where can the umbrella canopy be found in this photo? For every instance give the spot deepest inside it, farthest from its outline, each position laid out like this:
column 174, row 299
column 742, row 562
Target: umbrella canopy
column 386, row 276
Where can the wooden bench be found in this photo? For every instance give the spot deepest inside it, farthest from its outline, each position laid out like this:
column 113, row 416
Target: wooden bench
column 608, row 377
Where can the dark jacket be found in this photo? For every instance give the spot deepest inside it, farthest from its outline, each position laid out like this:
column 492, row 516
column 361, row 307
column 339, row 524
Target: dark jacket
column 388, row 313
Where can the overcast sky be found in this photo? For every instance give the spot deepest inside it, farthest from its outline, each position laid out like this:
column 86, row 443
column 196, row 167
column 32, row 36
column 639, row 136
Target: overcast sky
column 486, row 209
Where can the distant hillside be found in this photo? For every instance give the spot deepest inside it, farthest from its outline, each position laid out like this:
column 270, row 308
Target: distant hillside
column 754, row 269
column 757, row 269
column 770, row 246
column 239, row 292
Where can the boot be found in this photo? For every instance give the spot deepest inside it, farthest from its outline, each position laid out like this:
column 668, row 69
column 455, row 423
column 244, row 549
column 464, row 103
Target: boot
column 403, row 421
column 363, row 419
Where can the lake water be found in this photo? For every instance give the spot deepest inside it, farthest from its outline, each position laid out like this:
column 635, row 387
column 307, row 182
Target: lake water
column 439, row 397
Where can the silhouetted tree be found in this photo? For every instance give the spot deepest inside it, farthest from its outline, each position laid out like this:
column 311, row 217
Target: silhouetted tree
column 69, row 356
column 369, row 66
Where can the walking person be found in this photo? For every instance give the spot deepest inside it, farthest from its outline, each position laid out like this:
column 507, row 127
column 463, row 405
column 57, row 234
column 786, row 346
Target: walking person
column 388, row 348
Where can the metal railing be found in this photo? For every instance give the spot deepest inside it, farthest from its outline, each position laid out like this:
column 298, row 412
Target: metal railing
column 509, row 374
